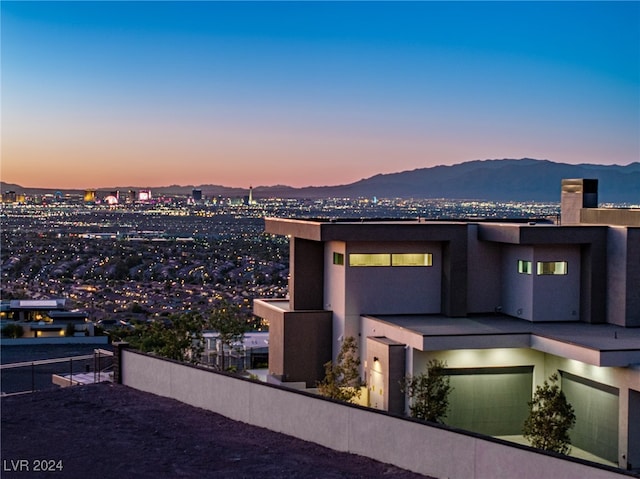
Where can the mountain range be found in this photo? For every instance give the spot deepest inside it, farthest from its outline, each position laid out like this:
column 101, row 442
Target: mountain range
column 496, row 180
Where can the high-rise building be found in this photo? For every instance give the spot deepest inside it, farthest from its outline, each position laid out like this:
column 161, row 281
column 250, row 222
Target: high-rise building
column 89, row 196
column 144, row 195
column 9, row 197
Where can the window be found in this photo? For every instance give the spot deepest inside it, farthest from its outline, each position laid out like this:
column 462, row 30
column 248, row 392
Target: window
column 386, row 259
column 369, row 259
column 552, row 267
column 524, row 266
column 338, row 258
column 412, row 259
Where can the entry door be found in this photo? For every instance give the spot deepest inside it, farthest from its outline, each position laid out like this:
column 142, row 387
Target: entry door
column 376, row 390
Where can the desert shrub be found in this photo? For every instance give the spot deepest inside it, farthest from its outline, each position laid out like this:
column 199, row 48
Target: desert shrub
column 550, row 418
column 12, row 331
column 429, row 392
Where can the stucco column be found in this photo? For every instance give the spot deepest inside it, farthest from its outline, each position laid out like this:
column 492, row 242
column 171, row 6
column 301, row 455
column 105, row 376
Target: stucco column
column 117, row 360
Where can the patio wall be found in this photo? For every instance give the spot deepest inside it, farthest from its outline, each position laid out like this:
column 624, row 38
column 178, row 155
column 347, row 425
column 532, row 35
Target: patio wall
column 430, row 450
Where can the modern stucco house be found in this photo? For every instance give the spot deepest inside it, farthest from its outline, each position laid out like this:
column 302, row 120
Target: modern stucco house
column 504, row 304
column 46, row 318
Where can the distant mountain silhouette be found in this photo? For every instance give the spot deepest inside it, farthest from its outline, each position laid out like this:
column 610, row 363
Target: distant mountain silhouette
column 498, row 180
column 11, row 187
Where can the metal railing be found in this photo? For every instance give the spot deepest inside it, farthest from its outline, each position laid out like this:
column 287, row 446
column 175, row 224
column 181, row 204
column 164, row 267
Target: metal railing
column 30, row 376
column 239, row 360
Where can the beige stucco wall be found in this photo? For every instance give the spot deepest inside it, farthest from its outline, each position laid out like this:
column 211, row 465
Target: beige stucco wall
column 557, row 298
column 484, row 273
column 541, row 297
column 623, row 276
column 616, row 275
column 517, row 288
column 334, row 294
column 378, row 290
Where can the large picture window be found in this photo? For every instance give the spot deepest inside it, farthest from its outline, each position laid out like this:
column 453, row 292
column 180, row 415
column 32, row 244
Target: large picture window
column 552, row 267
column 369, row 259
column 412, row 259
column 386, row 259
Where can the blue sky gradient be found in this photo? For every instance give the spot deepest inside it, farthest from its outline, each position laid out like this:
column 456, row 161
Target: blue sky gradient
column 310, row 93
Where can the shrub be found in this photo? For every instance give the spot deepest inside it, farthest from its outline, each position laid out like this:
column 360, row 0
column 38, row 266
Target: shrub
column 429, row 392
column 550, row 418
column 342, row 379
column 12, row 331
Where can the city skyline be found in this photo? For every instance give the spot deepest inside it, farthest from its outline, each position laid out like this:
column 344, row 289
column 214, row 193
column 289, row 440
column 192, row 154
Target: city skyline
column 238, row 93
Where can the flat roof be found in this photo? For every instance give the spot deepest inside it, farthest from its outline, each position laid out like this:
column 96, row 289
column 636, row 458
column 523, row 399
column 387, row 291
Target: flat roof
column 597, row 344
column 502, row 231
column 32, row 304
column 279, row 304
column 367, row 230
column 80, row 315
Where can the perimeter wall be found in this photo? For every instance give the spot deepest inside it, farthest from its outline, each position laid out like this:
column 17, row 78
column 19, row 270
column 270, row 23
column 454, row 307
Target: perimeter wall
column 434, row 451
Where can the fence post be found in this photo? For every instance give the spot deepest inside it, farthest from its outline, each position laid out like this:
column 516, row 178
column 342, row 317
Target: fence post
column 70, row 372
column 96, row 365
column 117, row 360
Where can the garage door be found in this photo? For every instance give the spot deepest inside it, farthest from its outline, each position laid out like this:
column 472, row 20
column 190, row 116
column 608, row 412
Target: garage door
column 492, row 401
column 596, row 409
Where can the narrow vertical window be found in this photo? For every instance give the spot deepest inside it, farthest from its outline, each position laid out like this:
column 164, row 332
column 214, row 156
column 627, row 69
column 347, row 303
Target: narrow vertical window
column 338, row 258
column 552, row 267
column 524, row 267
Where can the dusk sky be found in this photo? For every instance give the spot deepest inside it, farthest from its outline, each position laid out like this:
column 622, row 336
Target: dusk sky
column 98, row 94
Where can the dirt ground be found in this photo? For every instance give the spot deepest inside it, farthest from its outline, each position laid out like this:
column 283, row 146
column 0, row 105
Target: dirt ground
column 112, row 431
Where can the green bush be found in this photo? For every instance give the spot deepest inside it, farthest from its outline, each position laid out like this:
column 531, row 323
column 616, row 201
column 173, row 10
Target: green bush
column 342, row 378
column 12, row 331
column 550, row 418
column 429, row 392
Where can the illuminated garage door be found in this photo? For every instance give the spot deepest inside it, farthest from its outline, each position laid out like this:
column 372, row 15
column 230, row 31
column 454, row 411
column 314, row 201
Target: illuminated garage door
column 596, row 409
column 492, row 401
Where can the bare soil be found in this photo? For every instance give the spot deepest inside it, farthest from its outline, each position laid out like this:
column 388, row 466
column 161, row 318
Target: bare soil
column 112, row 431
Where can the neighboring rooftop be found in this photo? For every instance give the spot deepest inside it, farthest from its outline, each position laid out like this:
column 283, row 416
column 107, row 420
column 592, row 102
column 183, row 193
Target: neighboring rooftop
column 37, row 304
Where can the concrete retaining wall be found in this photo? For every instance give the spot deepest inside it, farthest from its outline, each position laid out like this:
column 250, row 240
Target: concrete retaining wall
column 429, row 450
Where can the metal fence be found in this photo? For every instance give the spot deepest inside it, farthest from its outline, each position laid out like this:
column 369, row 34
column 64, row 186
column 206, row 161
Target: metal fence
column 40, row 375
column 238, row 359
